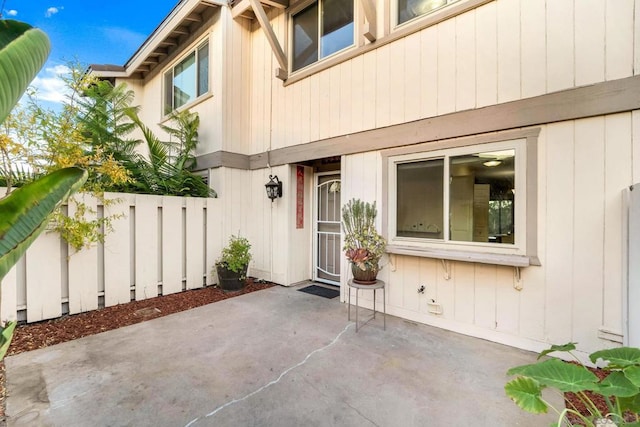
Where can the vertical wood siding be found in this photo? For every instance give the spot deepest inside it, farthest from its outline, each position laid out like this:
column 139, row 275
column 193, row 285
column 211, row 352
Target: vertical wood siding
column 584, row 165
column 46, row 283
column 499, row 52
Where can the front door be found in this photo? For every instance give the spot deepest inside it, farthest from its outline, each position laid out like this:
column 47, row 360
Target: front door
column 327, row 249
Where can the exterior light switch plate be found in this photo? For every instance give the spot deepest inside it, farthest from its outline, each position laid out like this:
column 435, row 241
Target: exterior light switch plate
column 434, row 308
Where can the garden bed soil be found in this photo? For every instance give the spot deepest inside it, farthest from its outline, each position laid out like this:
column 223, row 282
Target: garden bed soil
column 67, row 328
column 572, row 401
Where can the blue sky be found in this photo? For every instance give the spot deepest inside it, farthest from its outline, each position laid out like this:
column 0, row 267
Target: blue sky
column 91, row 32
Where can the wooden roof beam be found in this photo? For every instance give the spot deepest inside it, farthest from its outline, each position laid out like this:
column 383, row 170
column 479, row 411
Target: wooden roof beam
column 281, row 73
column 169, row 42
column 280, row 4
column 241, row 9
column 369, row 30
column 181, row 30
column 194, row 17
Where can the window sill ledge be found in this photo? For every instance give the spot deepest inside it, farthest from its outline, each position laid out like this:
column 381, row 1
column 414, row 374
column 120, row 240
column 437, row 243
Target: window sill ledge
column 188, row 106
column 477, row 257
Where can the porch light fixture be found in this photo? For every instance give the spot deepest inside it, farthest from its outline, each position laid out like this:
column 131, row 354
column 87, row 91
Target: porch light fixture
column 274, row 187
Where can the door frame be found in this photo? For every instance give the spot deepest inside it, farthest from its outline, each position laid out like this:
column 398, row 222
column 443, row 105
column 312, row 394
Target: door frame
column 314, row 229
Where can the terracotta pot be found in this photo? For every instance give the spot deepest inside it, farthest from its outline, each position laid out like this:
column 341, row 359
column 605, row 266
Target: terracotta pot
column 364, row 277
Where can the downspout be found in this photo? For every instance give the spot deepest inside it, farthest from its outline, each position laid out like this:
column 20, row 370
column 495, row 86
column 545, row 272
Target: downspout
column 269, row 167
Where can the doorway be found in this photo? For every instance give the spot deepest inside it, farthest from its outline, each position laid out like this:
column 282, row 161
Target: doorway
column 326, row 231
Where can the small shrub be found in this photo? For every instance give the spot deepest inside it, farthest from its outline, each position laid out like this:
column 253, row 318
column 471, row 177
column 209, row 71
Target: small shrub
column 236, row 255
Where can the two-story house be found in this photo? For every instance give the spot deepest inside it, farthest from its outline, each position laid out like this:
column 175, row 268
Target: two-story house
column 499, row 139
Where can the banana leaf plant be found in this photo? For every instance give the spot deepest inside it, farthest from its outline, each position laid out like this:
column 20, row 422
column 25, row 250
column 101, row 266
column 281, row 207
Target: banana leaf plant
column 24, row 212
column 620, row 389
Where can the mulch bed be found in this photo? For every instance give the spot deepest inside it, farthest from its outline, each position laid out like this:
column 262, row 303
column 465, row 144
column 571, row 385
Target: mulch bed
column 572, row 401
column 67, row 328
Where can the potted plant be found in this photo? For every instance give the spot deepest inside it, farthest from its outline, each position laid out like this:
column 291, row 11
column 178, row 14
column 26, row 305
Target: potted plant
column 363, row 245
column 232, row 265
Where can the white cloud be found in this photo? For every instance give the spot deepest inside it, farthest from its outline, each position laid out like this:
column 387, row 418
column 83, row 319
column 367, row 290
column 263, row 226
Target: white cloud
column 52, row 11
column 49, row 86
column 12, row 12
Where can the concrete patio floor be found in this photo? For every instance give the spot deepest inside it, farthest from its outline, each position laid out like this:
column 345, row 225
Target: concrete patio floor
column 276, row 357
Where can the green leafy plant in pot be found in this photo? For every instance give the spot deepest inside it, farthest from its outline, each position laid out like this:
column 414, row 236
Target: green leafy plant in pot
column 233, row 264
column 363, row 245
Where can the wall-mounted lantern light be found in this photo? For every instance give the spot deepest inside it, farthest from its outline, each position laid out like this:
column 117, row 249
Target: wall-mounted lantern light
column 274, row 187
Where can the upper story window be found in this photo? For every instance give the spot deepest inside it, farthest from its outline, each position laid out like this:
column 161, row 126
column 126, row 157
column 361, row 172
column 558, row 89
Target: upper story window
column 188, row 79
column 409, row 9
column 471, row 197
column 321, row 29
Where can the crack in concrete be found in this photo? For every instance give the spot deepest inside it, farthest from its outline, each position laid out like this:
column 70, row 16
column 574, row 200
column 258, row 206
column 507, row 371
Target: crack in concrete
column 274, row 382
column 322, row 393
column 360, row 413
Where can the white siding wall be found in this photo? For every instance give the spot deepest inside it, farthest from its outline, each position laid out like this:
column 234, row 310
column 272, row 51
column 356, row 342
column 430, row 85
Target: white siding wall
column 502, row 51
column 584, row 166
column 281, row 253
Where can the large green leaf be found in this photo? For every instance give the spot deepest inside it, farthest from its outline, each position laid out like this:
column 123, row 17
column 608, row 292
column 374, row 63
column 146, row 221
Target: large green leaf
column 563, row 347
column 616, row 384
column 630, row 403
column 633, row 374
column 561, row 375
column 23, row 52
column 527, row 394
column 5, row 338
column 24, row 212
column 618, row 357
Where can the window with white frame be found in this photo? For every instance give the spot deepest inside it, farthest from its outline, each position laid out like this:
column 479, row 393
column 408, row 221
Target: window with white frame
column 188, row 79
column 410, row 9
column 320, row 30
column 471, row 197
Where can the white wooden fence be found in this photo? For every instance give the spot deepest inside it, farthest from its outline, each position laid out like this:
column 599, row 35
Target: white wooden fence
column 159, row 245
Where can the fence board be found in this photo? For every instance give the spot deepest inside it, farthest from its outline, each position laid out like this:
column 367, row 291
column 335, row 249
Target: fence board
column 117, row 256
column 171, row 245
column 194, row 243
column 146, row 248
column 44, row 292
column 9, row 295
column 83, row 274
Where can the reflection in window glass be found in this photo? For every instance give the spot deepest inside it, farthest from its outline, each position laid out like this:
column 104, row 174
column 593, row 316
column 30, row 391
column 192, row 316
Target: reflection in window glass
column 203, row 70
column 337, row 26
column 305, row 37
column 409, row 9
column 184, row 81
column 319, row 34
column 481, row 197
column 420, row 199
column 187, row 80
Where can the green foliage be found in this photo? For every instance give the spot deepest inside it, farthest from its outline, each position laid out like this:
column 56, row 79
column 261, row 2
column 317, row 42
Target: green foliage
column 95, row 130
column 23, row 52
column 236, row 255
column 363, row 245
column 24, row 213
column 527, row 394
column 620, row 389
column 79, row 230
column 166, row 169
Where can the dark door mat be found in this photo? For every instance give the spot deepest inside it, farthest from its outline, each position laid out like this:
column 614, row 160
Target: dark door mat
column 321, row 291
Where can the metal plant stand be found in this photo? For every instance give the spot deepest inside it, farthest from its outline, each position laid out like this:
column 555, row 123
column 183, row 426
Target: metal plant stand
column 378, row 285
